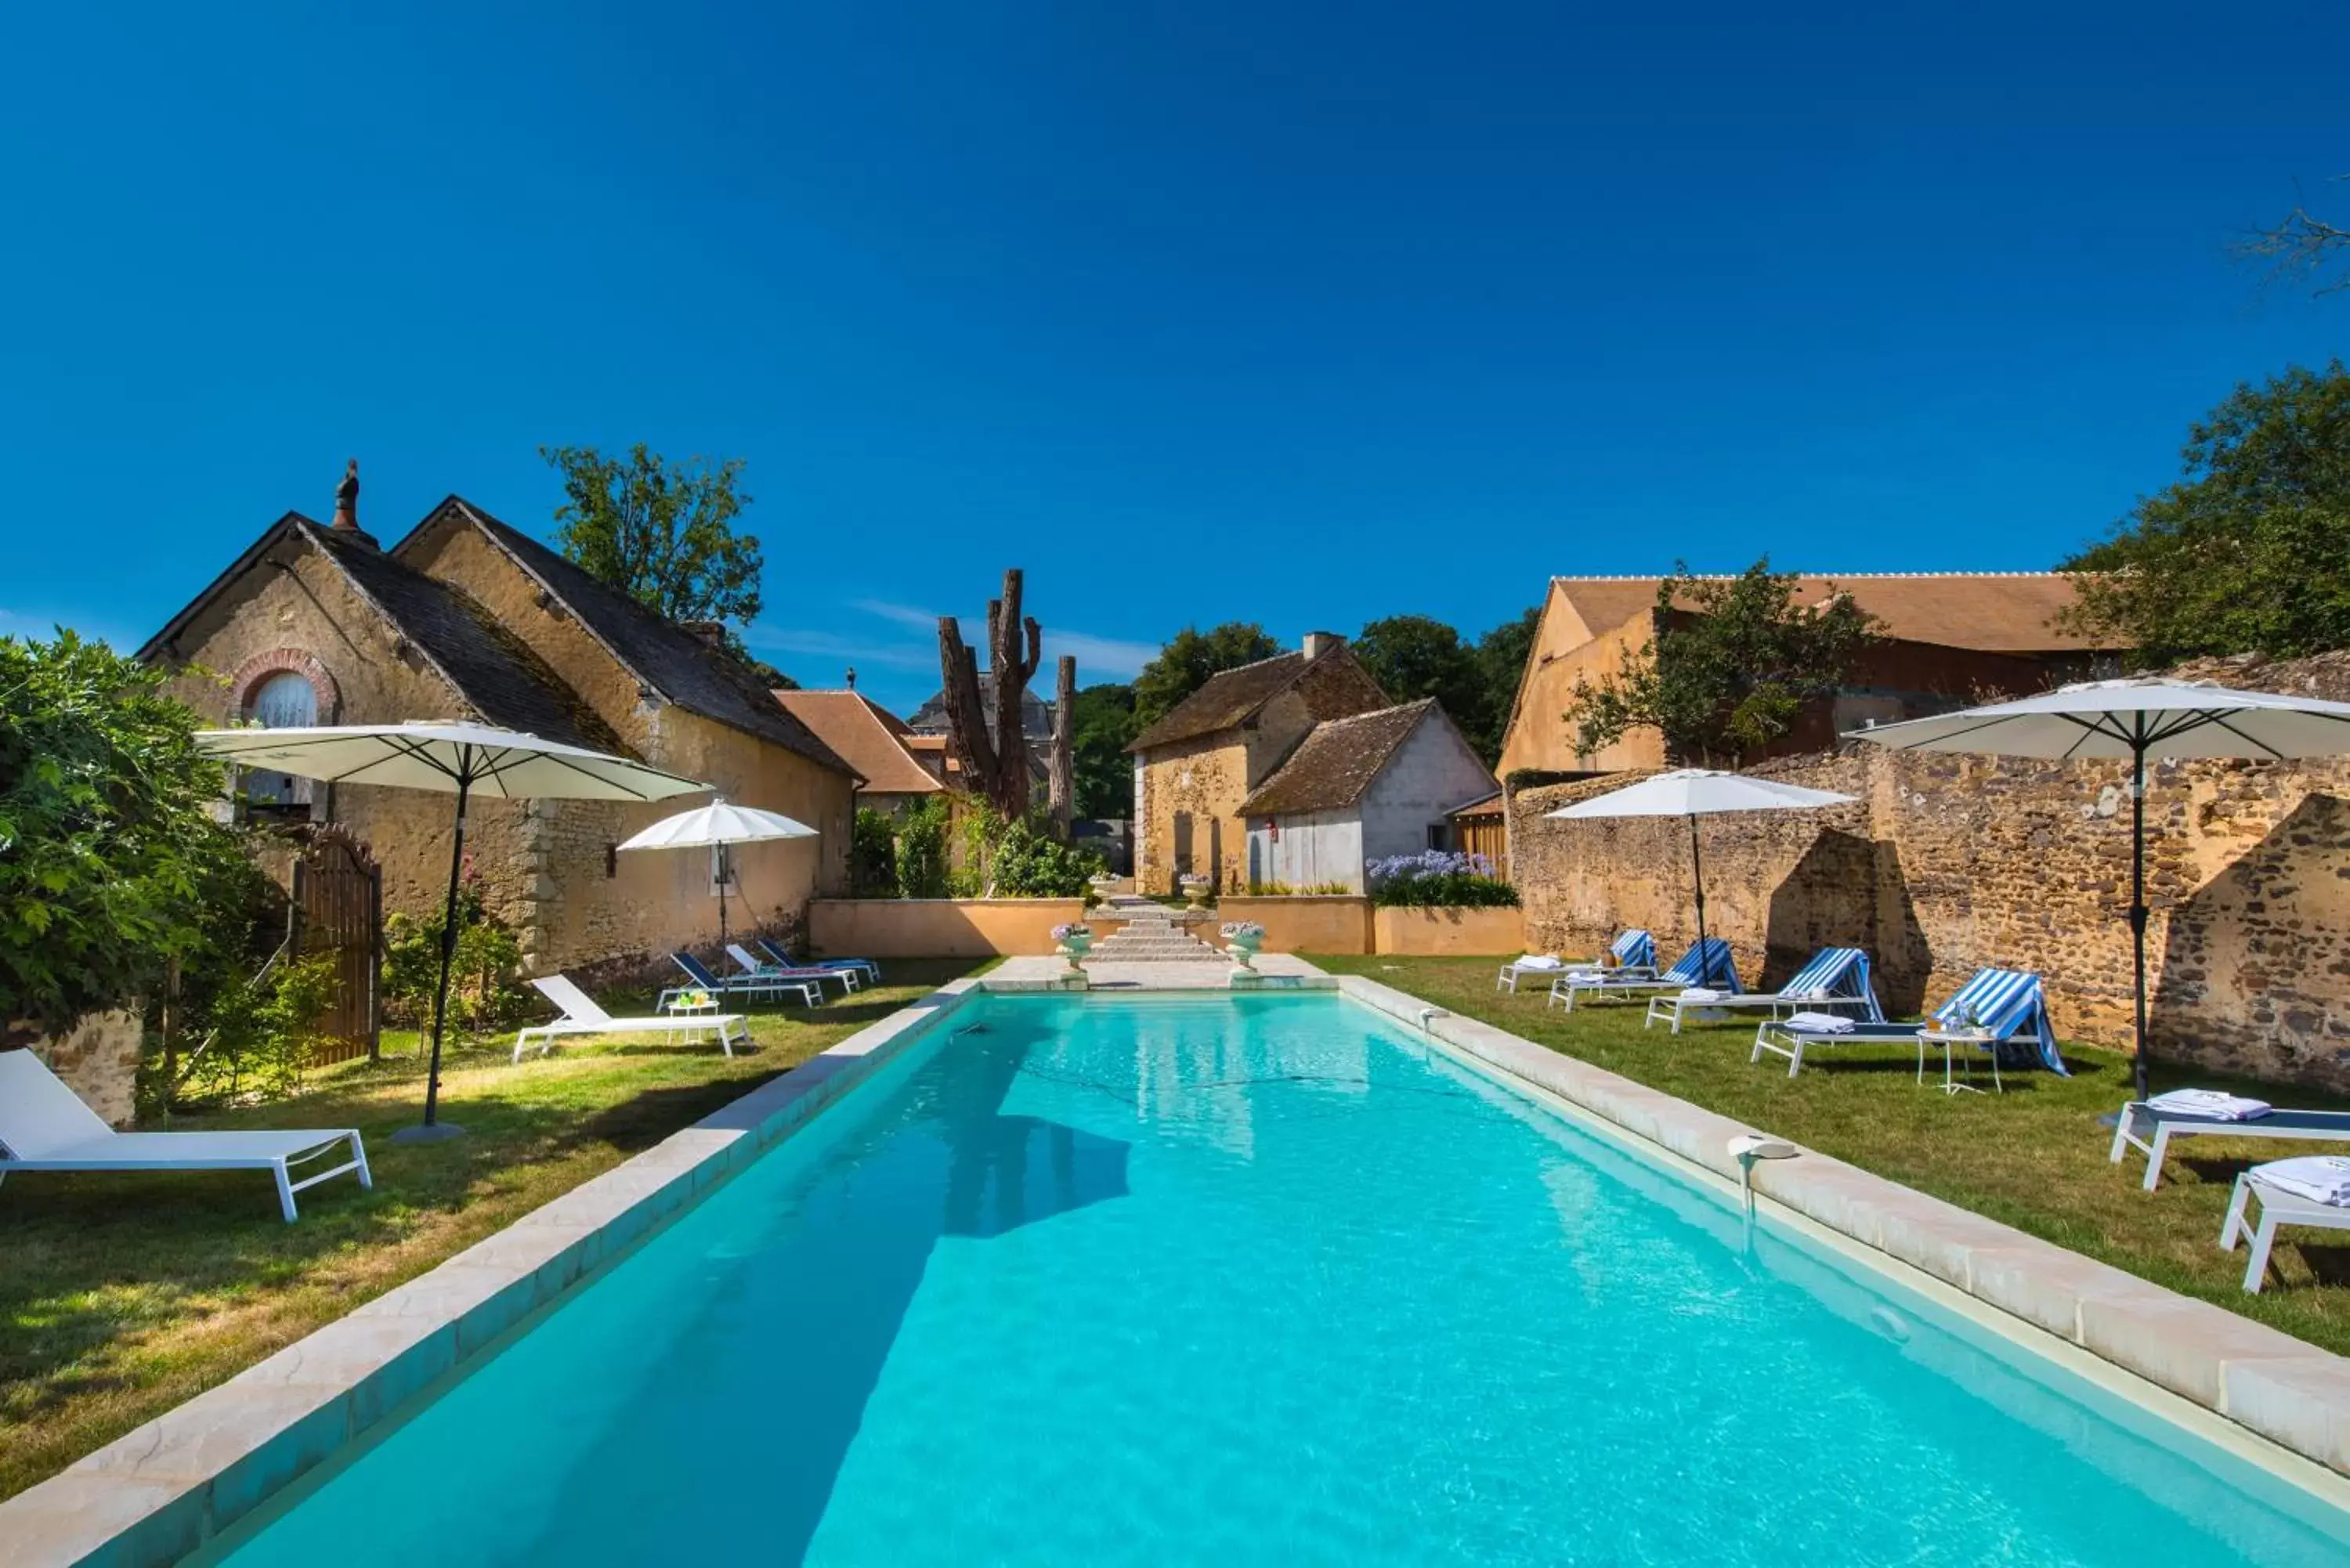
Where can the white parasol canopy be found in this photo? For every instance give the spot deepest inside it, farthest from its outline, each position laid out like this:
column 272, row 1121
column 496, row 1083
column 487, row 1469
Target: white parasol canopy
column 2136, row 720
column 719, row 824
column 455, row 758
column 1693, row 793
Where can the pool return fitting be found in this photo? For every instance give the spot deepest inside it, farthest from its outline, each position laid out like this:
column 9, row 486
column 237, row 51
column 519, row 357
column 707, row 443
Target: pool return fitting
column 1748, row 1148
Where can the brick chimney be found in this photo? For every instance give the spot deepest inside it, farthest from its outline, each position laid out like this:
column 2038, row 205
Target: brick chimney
column 1317, row 643
column 712, row 632
column 347, row 505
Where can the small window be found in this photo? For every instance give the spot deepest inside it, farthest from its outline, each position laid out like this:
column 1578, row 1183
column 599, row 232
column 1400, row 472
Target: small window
column 287, row 700
column 1439, row 835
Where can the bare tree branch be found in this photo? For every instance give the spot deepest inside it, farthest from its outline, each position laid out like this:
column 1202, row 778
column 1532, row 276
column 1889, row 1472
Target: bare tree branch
column 2303, row 246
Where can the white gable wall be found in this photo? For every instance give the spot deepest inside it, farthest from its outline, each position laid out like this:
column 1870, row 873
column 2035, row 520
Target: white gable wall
column 1308, row 849
column 1432, row 771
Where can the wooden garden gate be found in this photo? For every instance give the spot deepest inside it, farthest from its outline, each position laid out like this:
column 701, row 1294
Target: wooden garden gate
column 338, row 909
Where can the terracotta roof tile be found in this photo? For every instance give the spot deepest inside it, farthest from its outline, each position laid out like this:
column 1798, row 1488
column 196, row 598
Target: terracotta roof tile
column 1230, row 697
column 1997, row 612
column 1337, row 761
column 869, row 737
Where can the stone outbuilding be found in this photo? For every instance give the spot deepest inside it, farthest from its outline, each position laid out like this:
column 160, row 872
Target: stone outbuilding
column 1195, row 767
column 469, row 618
column 1948, row 638
column 1359, row 790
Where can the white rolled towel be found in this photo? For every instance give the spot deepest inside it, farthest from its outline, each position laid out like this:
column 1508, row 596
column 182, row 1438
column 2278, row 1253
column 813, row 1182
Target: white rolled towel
column 2320, row 1177
column 1820, row 1023
column 1699, row 994
column 1538, row 960
column 2212, row 1102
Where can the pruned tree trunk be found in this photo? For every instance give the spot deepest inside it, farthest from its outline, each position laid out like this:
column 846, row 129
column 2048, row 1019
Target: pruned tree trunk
column 996, row 764
column 1061, row 767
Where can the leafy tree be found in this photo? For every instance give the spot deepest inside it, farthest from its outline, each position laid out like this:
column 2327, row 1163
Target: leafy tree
column 2250, row 550
column 873, row 856
column 922, row 871
column 661, row 532
column 1732, row 665
column 1501, row 655
column 1188, row 658
column 1413, row 656
column 111, row 863
column 1105, row 728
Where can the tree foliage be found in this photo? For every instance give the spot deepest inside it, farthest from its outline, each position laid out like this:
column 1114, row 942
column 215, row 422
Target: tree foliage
column 1501, row 655
column 1733, row 661
column 111, row 863
column 1105, row 728
column 660, row 532
column 2250, row 550
column 1414, row 656
column 1188, row 658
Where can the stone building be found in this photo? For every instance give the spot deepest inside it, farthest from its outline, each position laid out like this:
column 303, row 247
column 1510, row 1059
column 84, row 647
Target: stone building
column 1361, row 789
column 469, row 618
column 1199, row 762
column 873, row 741
column 1948, row 639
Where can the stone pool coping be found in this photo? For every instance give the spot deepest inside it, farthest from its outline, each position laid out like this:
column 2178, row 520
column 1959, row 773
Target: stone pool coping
column 161, row 1493
column 2283, row 1389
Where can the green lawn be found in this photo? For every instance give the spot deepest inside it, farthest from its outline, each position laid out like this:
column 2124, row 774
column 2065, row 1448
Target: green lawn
column 123, row 1295
column 2033, row 1158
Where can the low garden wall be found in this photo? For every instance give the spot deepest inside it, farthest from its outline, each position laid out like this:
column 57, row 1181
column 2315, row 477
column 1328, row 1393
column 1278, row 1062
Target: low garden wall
column 1306, row 922
column 1450, row 932
column 938, row 927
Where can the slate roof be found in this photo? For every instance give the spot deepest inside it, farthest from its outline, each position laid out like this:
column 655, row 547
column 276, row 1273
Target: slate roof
column 1036, row 718
column 672, row 663
column 1337, row 761
column 494, row 672
column 1989, row 612
column 870, row 737
column 1230, row 697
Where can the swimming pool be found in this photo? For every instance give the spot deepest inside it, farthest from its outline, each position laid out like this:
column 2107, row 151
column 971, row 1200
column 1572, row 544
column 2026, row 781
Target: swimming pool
column 1253, row 1279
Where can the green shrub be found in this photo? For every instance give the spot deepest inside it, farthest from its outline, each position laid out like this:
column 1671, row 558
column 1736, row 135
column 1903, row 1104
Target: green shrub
column 482, row 991
column 260, row 1033
column 1310, row 890
column 921, row 850
column 873, row 856
column 1030, row 863
column 111, row 863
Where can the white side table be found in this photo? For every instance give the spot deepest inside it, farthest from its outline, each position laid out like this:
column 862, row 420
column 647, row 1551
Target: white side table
column 1950, row 1040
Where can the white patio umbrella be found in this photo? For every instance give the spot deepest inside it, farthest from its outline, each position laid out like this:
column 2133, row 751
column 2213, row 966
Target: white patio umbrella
column 1694, row 792
column 718, row 825
column 456, row 758
column 2135, row 719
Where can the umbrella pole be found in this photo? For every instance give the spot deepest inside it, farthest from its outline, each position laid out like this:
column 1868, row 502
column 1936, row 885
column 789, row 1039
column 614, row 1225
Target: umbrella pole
column 1697, row 874
column 2139, row 1066
column 435, row 1128
column 725, row 869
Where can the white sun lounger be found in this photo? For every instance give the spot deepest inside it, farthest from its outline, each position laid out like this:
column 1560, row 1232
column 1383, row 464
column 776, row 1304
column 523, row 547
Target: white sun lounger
column 44, row 1126
column 582, row 1016
column 813, row 975
column 2151, row 1128
column 2277, row 1208
column 1837, row 976
column 1635, row 951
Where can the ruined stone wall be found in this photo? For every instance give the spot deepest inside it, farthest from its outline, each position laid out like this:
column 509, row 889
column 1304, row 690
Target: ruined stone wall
column 1948, row 862
column 97, row 1059
column 1208, row 778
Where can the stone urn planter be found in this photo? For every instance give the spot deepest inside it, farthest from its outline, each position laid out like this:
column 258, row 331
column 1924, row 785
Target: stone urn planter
column 1243, row 939
column 1076, row 941
column 1195, row 891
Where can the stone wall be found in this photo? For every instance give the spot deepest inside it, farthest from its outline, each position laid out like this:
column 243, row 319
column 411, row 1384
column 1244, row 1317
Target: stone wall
column 1947, row 862
column 97, row 1059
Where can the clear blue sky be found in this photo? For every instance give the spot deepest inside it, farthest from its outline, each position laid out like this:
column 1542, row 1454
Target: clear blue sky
column 1197, row 311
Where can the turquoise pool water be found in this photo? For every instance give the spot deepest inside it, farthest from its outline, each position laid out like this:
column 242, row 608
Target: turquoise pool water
column 1258, row 1279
